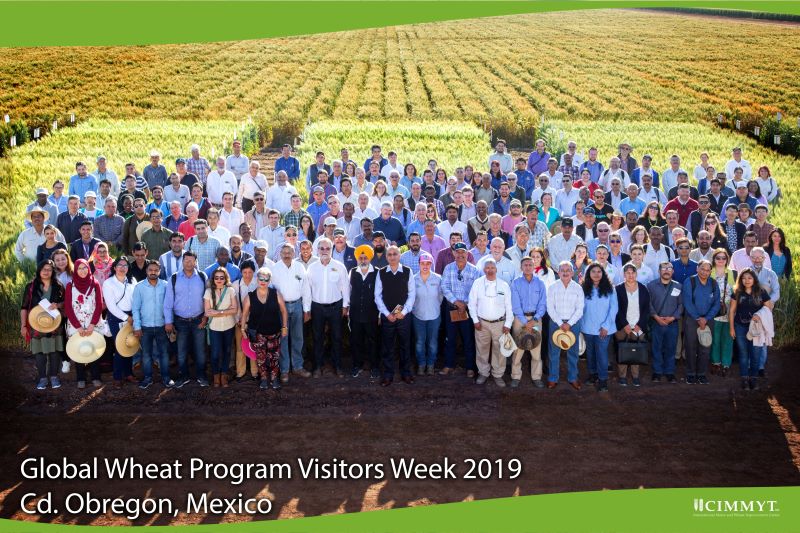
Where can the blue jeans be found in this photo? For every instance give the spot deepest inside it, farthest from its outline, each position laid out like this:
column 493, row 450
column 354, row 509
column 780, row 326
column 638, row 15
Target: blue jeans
column 762, row 359
column 554, row 356
column 191, row 338
column 749, row 355
column 123, row 366
column 597, row 354
column 665, row 341
column 293, row 342
column 427, row 337
column 154, row 348
column 467, row 332
column 221, row 342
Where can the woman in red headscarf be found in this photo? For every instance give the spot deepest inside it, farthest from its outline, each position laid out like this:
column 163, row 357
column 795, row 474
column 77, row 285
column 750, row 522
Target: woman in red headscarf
column 83, row 305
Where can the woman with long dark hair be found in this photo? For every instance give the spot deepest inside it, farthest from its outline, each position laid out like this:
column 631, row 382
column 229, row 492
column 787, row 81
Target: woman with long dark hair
column 651, row 216
column 118, row 297
column 50, row 244
column 779, row 254
column 598, row 323
column 46, row 343
column 221, row 308
column 718, row 237
column 722, row 342
column 748, row 299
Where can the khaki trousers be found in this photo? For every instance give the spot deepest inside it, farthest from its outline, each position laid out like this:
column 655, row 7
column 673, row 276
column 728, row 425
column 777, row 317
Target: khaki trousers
column 488, row 338
column 622, row 370
column 241, row 358
column 516, row 359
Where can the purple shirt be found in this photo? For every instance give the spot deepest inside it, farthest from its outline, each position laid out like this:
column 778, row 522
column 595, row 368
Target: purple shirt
column 537, row 163
column 433, row 247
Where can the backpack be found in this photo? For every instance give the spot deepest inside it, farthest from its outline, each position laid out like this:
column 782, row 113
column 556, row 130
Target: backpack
column 174, row 280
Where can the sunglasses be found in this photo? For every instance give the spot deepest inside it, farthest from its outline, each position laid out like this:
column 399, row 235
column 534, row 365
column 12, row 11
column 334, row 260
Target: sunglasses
column 721, row 258
column 323, row 248
column 259, row 200
column 602, row 231
column 291, row 234
column 615, row 241
column 265, row 280
column 219, row 278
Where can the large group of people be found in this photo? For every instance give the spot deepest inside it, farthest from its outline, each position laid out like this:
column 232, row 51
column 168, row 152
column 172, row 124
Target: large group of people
column 417, row 272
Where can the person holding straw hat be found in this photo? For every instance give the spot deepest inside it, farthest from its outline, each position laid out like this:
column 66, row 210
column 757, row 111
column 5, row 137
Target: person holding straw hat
column 118, row 296
column 45, row 332
column 83, row 307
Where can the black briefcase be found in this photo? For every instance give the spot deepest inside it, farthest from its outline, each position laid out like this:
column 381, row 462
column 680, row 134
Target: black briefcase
column 633, row 353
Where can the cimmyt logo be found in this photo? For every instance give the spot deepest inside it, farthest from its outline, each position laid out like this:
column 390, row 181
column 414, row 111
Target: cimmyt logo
column 735, row 508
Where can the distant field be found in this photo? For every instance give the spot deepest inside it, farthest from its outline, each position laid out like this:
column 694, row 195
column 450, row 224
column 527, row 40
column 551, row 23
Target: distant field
column 609, row 64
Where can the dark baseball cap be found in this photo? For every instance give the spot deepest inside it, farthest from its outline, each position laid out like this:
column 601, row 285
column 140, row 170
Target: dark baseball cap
column 588, row 211
column 459, row 246
column 180, row 160
column 567, row 221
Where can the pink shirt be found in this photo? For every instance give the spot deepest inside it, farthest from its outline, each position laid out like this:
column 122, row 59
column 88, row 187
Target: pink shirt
column 509, row 223
column 435, row 246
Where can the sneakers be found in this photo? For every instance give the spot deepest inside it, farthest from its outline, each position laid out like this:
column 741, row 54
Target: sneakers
column 81, row 384
column 276, row 384
column 355, row 372
column 591, row 380
column 636, row 382
column 55, row 382
column 374, row 373
column 284, row 377
column 42, row 385
column 181, row 382
column 264, row 385
column 499, row 382
column 65, row 367
column 623, row 382
column 145, row 383
column 481, row 379
column 754, row 384
column 302, row 372
column 97, row 382
column 690, row 380
column 202, row 382
column 702, row 380
column 430, row 371
column 602, row 385
column 656, row 378
column 514, row 383
column 169, row 384
column 538, row 383
column 671, row 378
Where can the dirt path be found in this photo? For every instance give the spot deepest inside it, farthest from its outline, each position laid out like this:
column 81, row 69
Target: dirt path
column 658, row 436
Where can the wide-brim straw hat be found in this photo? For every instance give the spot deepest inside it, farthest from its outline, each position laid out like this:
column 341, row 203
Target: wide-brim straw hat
column 142, row 227
column 507, row 344
column 86, row 349
column 126, row 343
column 247, row 349
column 41, row 321
column 563, row 339
column 37, row 210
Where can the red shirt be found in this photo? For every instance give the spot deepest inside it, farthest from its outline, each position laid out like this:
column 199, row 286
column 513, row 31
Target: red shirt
column 684, row 210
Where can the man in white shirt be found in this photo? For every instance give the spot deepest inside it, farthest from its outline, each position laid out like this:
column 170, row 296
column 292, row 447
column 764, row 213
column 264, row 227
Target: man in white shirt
column 273, row 234
column 649, row 193
column 347, row 194
column 279, row 196
column 655, row 252
column 103, row 172
column 215, row 229
column 363, row 210
column 561, row 246
column 251, row 183
column 220, row 181
column 349, row 223
column 290, row 278
column 29, row 240
column 394, row 296
column 230, row 217
column 452, row 225
column 176, row 192
column 490, row 309
column 565, row 307
column 392, row 165
column 237, row 162
column 543, row 187
column 737, row 161
column 566, row 197
column 669, row 178
column 327, row 294
column 502, row 156
column 577, row 159
column 614, row 170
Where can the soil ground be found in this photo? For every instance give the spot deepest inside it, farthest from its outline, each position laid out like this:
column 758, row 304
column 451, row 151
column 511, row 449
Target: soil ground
column 660, row 435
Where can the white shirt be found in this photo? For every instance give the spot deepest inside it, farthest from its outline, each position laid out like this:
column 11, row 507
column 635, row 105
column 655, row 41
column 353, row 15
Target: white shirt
column 367, row 187
column 231, row 219
column 280, row 197
column 644, row 274
column 249, row 185
column 632, row 316
column 445, row 229
column 565, row 303
column 653, row 195
column 769, row 187
column 608, row 175
column 353, row 198
column 411, row 289
column 388, row 168
column 699, row 173
column 290, row 281
column 118, row 297
column 653, row 258
column 28, row 242
column 490, row 300
column 577, row 159
column 221, row 233
column 237, row 164
column 274, row 237
column 746, row 168
column 351, row 229
column 365, row 213
column 565, row 201
column 217, row 184
column 326, row 284
column 536, row 195
column 182, row 195
column 376, row 202
column 560, row 249
column 669, row 178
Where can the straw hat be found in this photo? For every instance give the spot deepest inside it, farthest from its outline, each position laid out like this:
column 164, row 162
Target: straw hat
column 704, row 336
column 127, row 344
column 41, row 321
column 142, row 227
column 563, row 339
column 37, row 210
column 247, row 349
column 529, row 341
column 507, row 344
column 581, row 344
column 86, row 349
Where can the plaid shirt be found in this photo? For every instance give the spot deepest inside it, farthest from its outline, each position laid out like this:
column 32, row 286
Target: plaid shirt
column 455, row 289
column 109, row 229
column 410, row 260
column 293, row 219
column 540, row 235
column 206, row 252
column 198, row 167
column 573, row 171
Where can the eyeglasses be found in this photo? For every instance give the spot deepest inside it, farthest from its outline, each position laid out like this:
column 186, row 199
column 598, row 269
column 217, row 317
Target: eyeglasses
column 602, row 231
column 566, row 181
column 264, row 280
column 704, row 202
column 683, row 248
column 392, row 254
column 258, row 200
column 668, row 268
column 653, row 207
column 323, row 248
column 615, row 241
column 291, row 234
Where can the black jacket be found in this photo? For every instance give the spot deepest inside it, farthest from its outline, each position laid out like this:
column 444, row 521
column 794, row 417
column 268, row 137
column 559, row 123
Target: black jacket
column 76, row 249
column 644, row 307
